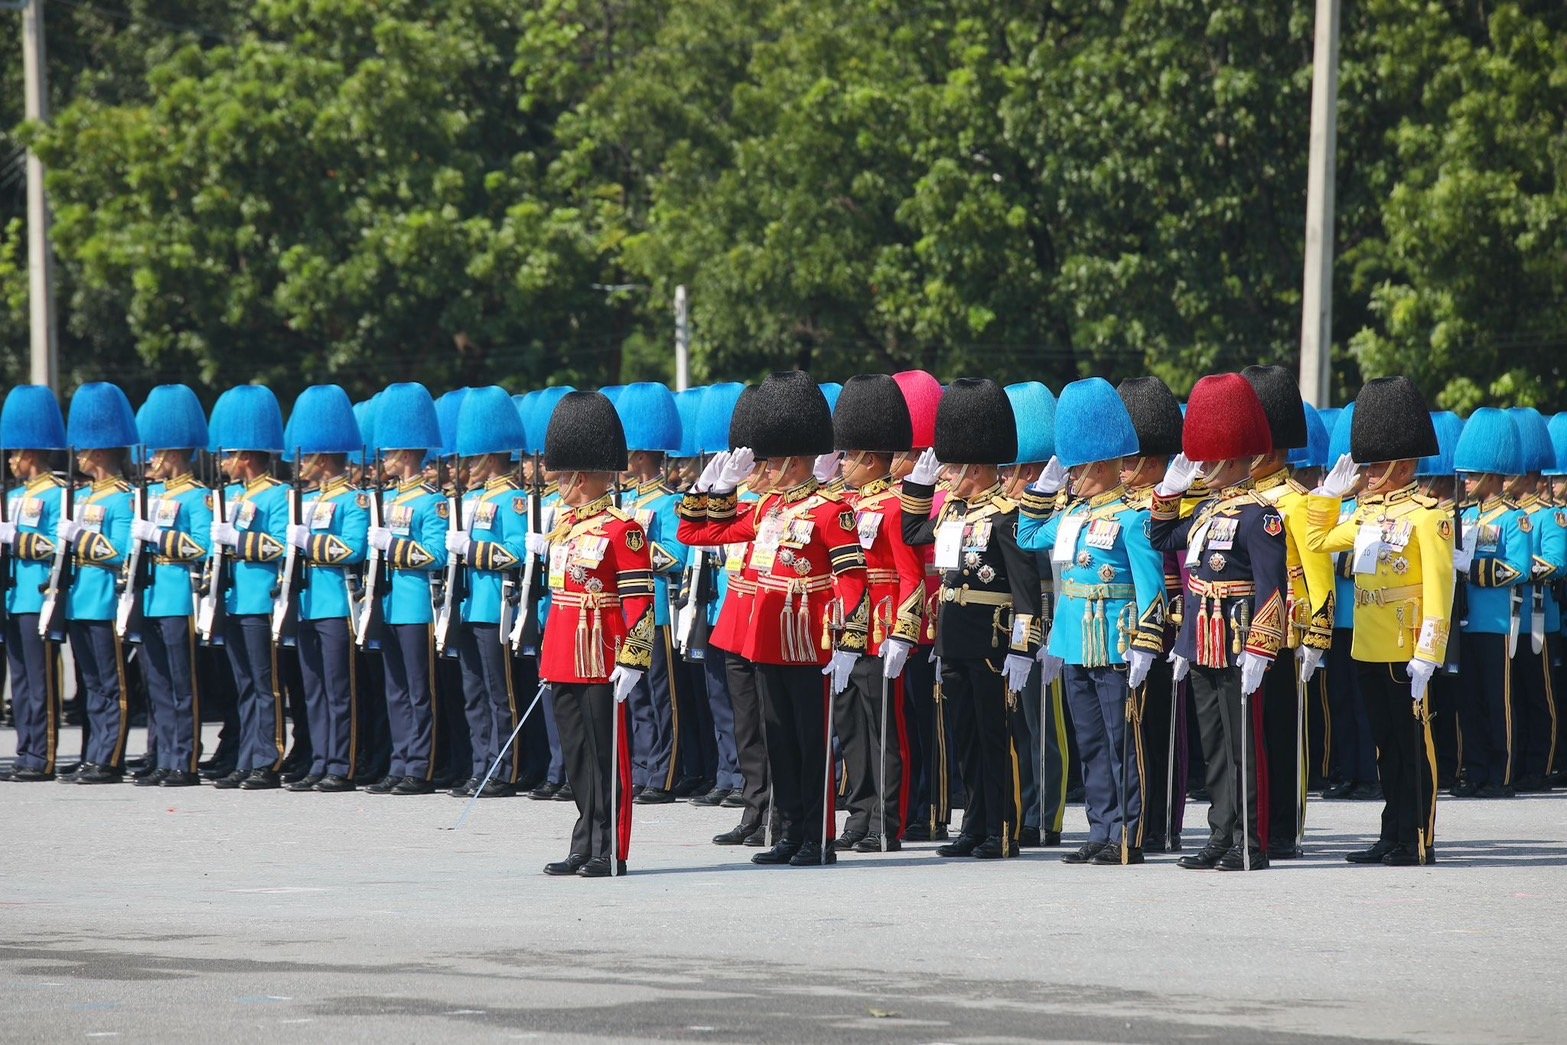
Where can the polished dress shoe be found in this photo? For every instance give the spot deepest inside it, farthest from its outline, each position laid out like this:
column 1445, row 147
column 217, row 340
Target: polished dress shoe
column 215, row 770
column 466, row 788
column 848, row 840
column 1366, row 793
column 544, row 792
column 1028, row 838
column 260, row 780
column 332, row 783
column 1407, row 856
column 756, row 839
column 1111, row 854
column 712, row 798
column 734, row 836
column 995, row 848
column 1464, row 788
column 563, row 793
column 598, row 867
column 1204, row 859
column 384, row 785
column 1234, row 861
column 412, row 785
column 29, row 776
column 1338, row 789
column 692, row 787
column 654, row 796
column 232, row 781
column 92, row 774
column 1534, row 782
column 497, row 789
column 812, row 854
column 571, row 865
column 1373, row 855
column 778, row 856
column 151, row 778
column 872, row 844
column 962, row 845
column 919, row 832
column 305, row 783
column 176, row 778
column 1084, row 853
column 1284, row 849
column 736, row 800
column 1496, row 791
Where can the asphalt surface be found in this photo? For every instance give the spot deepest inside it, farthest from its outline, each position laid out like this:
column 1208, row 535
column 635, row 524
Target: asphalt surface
column 139, row 914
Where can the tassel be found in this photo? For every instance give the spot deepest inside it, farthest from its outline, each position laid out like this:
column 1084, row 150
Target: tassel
column 580, row 648
column 1101, row 636
column 1202, row 632
column 1088, row 634
column 802, row 628
column 598, row 643
column 1216, row 618
column 786, row 625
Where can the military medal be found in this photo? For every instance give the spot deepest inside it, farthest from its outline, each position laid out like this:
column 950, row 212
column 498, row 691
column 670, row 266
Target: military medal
column 1085, row 559
column 594, row 585
column 1217, row 562
column 1400, row 565
column 802, row 566
column 1107, row 573
column 987, row 573
column 971, row 559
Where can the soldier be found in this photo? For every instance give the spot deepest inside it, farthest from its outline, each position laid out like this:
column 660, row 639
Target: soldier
column 331, row 539
column 99, row 429
column 32, row 433
column 1437, row 480
column 373, row 746
column 1156, row 417
column 1492, row 560
column 1307, row 466
column 1541, row 617
column 1309, row 610
column 176, row 526
column 1109, row 615
column 810, row 614
column 246, row 429
column 698, row 738
column 1234, row 620
column 491, row 539
column 1554, row 488
column 453, row 749
column 870, row 425
column 1402, row 546
column 598, row 641
column 989, row 628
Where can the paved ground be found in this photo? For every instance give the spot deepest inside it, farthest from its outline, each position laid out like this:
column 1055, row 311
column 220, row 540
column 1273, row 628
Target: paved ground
column 199, row 915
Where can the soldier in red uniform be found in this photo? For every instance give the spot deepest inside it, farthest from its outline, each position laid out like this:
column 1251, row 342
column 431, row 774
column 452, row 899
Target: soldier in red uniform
column 598, row 640
column 810, row 610
column 870, row 424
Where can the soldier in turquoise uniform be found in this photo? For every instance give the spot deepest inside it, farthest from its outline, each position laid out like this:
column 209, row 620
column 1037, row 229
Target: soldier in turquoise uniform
column 330, row 538
column 535, row 419
column 176, row 527
column 413, row 541
column 32, row 433
column 99, row 429
column 491, row 540
column 1537, row 758
column 1109, row 613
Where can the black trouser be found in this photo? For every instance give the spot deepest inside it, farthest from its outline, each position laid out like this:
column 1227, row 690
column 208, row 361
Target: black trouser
column 1160, row 704
column 745, row 696
column 533, row 741
column 489, row 700
column 101, row 661
column 794, row 707
column 326, row 668
column 407, row 652
column 1354, row 755
column 698, row 736
column 657, row 708
column 976, row 693
column 875, row 789
column 1485, row 709
column 585, row 715
column 173, row 698
column 928, row 750
column 1406, row 757
column 1217, row 694
column 1044, row 708
column 291, row 683
column 35, row 692
column 219, row 701
column 1281, row 707
column 454, row 753
column 1536, row 707
column 373, row 754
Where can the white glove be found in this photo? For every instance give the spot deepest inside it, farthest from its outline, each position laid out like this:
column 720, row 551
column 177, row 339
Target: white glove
column 1016, row 669
column 839, row 668
column 145, row 530
column 1420, row 672
column 7, row 532
column 894, row 654
column 1183, row 666
column 1138, row 664
column 624, row 680
column 380, row 538
column 1178, row 477
column 457, row 542
column 538, row 544
column 1050, row 667
column 224, row 534
column 825, row 467
column 299, row 536
column 736, row 467
column 1051, row 479
column 1252, row 668
column 710, row 472
column 1463, row 556
column 926, row 469
column 1310, row 661
column 68, row 530
column 1341, row 479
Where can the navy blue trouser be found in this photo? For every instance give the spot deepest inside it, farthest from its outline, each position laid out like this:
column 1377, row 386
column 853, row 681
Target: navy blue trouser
column 35, row 692
column 101, row 663
column 1353, row 749
column 247, row 638
column 1486, row 710
column 407, row 653
column 714, row 664
column 556, row 774
column 489, row 700
column 1536, row 753
column 1110, row 753
column 173, row 697
column 326, row 664
column 655, row 707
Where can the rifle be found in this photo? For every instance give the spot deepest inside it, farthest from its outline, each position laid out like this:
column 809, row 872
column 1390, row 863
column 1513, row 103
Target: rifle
column 509, row 591
column 696, row 592
column 454, row 586
column 370, row 628
column 524, row 636
column 51, row 617
column 210, row 608
column 285, row 595
column 137, row 573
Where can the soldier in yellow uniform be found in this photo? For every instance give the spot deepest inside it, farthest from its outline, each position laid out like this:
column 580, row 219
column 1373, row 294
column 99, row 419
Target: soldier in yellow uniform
column 1401, row 550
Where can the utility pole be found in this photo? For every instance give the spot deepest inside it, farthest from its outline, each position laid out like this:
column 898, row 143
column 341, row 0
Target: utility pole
column 45, row 356
column 682, row 339
column 1316, row 302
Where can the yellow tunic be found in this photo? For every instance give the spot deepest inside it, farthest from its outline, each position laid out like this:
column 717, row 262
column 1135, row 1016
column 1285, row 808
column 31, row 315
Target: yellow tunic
column 1310, row 572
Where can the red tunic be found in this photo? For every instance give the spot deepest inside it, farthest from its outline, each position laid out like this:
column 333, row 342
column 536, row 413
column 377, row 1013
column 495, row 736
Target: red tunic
column 601, row 595
column 895, row 572
column 808, row 567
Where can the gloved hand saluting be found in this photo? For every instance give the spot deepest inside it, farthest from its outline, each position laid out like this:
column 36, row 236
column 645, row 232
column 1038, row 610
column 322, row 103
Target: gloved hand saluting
column 926, row 469
column 825, row 467
column 736, row 468
column 1051, row 479
column 1178, row 478
column 711, row 472
column 1341, row 479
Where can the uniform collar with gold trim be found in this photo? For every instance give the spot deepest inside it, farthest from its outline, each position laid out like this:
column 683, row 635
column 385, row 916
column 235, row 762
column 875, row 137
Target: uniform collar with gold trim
column 799, row 492
column 1403, row 493
column 180, row 483
column 582, row 512
column 333, row 486
column 1100, row 500
column 108, row 482
column 1272, row 480
column 875, row 486
column 48, row 480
